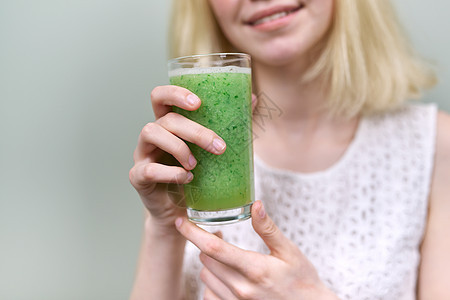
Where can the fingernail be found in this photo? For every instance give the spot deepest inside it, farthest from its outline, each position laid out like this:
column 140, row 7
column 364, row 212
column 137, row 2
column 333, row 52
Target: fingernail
column 192, row 99
column 178, row 222
column 189, row 177
column 262, row 211
column 192, row 160
column 218, row 144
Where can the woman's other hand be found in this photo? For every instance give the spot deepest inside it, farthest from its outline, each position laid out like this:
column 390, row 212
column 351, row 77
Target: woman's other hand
column 232, row 273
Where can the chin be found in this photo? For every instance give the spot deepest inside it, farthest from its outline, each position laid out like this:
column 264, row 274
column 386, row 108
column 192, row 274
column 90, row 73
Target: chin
column 279, row 56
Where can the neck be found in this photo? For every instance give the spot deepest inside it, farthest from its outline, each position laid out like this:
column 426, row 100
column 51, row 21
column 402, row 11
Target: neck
column 291, row 118
column 297, row 102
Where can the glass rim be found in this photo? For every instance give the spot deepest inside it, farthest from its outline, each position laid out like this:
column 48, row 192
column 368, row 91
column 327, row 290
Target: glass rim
column 216, row 54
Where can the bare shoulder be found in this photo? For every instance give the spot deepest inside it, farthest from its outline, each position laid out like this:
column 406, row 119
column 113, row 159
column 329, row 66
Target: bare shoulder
column 435, row 250
column 440, row 188
column 443, row 137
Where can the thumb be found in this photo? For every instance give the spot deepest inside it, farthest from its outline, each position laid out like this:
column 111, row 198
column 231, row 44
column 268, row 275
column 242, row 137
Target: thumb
column 263, row 225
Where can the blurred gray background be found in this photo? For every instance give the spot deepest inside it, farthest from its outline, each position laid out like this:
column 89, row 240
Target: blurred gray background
column 75, row 80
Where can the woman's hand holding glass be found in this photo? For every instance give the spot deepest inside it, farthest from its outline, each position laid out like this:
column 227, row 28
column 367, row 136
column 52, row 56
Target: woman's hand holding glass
column 161, row 145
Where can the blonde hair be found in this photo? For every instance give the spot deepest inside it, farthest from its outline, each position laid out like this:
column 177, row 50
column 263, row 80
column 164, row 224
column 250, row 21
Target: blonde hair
column 367, row 61
column 194, row 30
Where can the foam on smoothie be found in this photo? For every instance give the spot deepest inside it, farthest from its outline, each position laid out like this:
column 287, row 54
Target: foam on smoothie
column 209, row 70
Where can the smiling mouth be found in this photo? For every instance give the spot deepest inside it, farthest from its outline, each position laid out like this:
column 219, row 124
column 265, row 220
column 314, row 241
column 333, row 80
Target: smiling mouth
column 275, row 16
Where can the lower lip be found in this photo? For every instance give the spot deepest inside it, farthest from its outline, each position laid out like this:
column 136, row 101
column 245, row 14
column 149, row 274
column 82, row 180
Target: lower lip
column 277, row 23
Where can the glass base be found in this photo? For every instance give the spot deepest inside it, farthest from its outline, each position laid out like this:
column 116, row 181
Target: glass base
column 219, row 217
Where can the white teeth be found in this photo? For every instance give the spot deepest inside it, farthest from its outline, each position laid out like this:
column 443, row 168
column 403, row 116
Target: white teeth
column 271, row 18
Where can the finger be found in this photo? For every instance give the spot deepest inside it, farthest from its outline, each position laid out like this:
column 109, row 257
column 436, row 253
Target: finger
column 164, row 97
column 155, row 136
column 219, row 234
column 142, row 175
column 279, row 245
column 193, row 132
column 215, row 289
column 225, row 280
column 254, row 101
column 213, row 246
column 209, row 295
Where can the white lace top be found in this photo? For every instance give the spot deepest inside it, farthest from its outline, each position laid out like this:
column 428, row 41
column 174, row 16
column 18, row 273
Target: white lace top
column 361, row 221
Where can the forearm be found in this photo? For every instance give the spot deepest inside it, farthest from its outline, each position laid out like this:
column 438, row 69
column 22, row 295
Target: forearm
column 159, row 267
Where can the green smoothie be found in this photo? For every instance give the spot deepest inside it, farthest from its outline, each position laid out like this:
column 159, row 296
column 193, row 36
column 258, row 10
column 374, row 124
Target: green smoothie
column 221, row 182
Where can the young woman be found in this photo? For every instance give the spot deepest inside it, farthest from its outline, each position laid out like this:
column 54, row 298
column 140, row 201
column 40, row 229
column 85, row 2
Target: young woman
column 353, row 181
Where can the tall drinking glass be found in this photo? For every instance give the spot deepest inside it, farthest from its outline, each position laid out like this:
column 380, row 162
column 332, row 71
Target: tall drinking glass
column 222, row 189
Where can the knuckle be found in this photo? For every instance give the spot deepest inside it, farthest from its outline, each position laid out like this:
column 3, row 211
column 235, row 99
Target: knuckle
column 167, row 119
column 270, row 229
column 212, row 247
column 181, row 148
column 149, row 129
column 202, row 134
column 244, row 292
column 131, row 175
column 198, row 133
column 257, row 274
column 149, row 173
column 208, row 295
column 154, row 93
column 181, row 177
column 172, row 117
column 203, row 274
column 136, row 155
